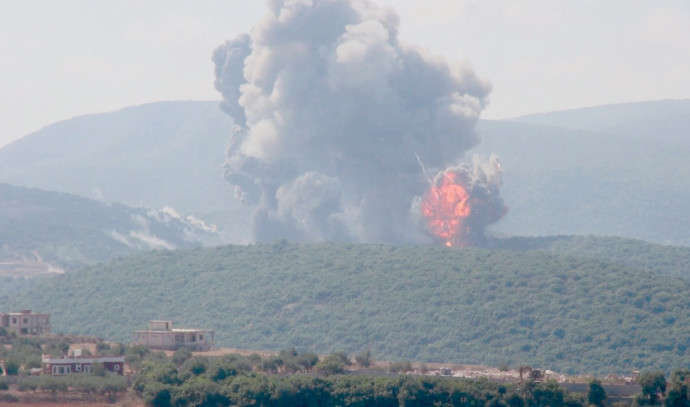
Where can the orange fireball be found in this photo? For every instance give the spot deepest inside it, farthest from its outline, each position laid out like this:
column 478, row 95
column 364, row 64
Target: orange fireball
column 445, row 206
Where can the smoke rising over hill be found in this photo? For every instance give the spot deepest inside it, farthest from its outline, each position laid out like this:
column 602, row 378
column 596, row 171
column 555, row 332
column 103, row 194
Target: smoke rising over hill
column 331, row 111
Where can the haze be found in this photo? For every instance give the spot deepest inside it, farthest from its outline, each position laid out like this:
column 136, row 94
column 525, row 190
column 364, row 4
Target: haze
column 64, row 59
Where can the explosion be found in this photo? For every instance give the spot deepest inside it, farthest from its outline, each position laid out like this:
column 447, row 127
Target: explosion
column 462, row 201
column 330, row 109
column 445, row 206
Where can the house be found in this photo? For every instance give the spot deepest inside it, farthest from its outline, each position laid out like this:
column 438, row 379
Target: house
column 25, row 322
column 161, row 335
column 60, row 366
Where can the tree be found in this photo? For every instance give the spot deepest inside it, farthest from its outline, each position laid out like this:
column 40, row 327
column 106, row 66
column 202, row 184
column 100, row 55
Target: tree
column 364, row 358
column 97, row 369
column 343, row 357
column 181, row 355
column 400, row 367
column 57, row 348
column 653, row 387
column 307, row 360
column 678, row 390
column 12, row 367
column 596, row 395
column 196, row 365
column 331, row 365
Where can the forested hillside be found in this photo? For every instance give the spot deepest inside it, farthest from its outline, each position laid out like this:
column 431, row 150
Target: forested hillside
column 68, row 231
column 546, row 309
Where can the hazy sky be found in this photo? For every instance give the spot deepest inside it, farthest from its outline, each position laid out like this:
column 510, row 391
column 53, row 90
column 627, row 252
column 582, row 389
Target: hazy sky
column 61, row 59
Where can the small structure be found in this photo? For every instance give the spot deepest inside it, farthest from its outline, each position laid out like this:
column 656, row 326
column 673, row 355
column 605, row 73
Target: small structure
column 26, row 322
column 161, row 335
column 60, row 366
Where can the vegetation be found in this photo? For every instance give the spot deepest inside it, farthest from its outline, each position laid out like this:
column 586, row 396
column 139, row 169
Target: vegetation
column 426, row 304
column 41, row 228
column 163, row 384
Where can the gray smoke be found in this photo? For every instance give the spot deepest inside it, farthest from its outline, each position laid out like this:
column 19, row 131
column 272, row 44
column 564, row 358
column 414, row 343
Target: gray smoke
column 331, row 112
column 483, row 183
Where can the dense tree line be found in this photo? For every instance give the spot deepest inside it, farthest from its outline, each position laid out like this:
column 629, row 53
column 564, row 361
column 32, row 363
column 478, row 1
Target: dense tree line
column 292, row 378
column 562, row 312
column 164, row 384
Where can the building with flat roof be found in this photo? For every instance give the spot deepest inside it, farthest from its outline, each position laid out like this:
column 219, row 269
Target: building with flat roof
column 60, row 366
column 25, row 322
column 161, row 335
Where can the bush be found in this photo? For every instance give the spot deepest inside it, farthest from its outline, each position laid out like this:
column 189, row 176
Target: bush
column 330, row 366
column 97, row 369
column 28, row 384
column 3, row 384
column 84, row 383
column 181, row 355
column 363, row 358
column 400, row 367
column 12, row 367
column 113, row 385
column 53, row 384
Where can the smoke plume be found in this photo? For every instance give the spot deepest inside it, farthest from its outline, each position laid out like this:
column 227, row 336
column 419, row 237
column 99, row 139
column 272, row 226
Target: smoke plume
column 333, row 116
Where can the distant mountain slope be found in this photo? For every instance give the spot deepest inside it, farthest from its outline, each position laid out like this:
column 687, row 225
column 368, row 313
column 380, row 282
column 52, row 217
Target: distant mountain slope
column 609, row 170
column 554, row 311
column 662, row 121
column 153, row 155
column 40, row 229
column 575, row 181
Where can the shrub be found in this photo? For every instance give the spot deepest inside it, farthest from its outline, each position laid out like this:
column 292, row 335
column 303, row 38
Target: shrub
column 400, row 367
column 364, row 358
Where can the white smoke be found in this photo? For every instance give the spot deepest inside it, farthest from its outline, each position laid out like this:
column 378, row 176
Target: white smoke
column 331, row 111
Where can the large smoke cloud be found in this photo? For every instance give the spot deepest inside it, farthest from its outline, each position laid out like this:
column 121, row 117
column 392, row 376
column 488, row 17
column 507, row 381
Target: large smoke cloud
column 331, row 111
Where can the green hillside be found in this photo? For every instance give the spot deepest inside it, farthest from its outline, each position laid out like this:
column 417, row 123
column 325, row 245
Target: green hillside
column 664, row 260
column 68, row 231
column 429, row 304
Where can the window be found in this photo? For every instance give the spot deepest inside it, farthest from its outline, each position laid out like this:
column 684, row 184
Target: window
column 26, row 320
column 77, row 367
column 116, row 368
column 87, row 368
column 201, row 337
column 14, row 320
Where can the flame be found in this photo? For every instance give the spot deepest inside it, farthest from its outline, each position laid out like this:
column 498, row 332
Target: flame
column 445, row 207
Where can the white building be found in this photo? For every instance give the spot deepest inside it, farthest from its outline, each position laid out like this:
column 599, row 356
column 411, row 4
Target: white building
column 161, row 335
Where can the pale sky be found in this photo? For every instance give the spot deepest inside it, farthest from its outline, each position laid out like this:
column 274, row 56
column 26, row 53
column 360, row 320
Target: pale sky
column 65, row 58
